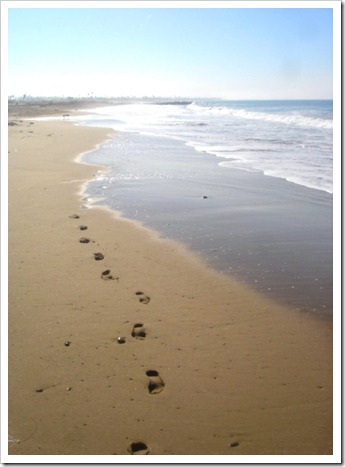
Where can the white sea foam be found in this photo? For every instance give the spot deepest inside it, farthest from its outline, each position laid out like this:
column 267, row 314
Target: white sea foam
column 290, row 140
column 291, row 119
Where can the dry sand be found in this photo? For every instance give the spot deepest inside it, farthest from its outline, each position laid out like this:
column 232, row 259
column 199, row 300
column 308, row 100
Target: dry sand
column 232, row 372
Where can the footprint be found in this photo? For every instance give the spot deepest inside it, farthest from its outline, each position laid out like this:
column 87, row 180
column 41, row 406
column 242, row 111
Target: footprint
column 83, row 227
column 74, row 216
column 156, row 384
column 106, row 276
column 142, row 297
column 98, row 256
column 139, row 332
column 84, row 240
column 138, row 447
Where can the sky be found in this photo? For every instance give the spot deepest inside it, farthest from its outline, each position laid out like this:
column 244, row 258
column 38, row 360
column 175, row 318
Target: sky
column 231, row 53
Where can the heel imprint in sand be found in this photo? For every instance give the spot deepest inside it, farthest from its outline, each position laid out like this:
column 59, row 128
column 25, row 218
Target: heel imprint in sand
column 138, row 447
column 142, row 297
column 139, row 332
column 84, row 240
column 83, row 227
column 156, row 384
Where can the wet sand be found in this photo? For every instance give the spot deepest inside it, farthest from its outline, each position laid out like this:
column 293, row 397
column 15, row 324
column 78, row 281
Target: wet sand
column 275, row 235
column 204, row 365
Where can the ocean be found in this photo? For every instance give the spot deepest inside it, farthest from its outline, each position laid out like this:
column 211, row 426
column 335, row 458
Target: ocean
column 286, row 139
column 245, row 184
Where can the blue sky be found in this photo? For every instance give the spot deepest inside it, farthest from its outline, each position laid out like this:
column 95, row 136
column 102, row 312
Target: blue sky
column 235, row 53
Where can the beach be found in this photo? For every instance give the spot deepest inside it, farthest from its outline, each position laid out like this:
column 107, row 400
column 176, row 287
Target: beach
column 128, row 343
column 275, row 235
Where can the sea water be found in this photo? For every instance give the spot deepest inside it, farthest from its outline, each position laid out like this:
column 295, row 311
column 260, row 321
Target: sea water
column 246, row 184
column 287, row 139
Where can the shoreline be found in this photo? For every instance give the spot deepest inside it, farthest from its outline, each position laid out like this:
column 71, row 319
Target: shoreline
column 271, row 234
column 229, row 378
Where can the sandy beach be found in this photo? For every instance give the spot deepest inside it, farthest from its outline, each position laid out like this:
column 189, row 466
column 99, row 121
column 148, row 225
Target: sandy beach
column 121, row 342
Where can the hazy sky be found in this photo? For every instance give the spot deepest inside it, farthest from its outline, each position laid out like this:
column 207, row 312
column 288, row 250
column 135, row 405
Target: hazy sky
column 233, row 53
